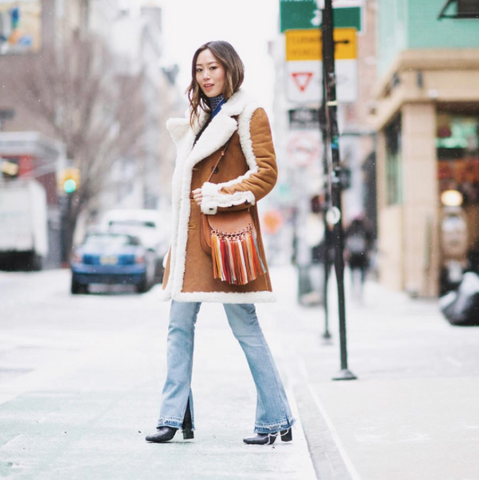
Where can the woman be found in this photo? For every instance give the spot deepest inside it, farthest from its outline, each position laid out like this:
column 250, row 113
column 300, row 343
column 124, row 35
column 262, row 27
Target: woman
column 222, row 119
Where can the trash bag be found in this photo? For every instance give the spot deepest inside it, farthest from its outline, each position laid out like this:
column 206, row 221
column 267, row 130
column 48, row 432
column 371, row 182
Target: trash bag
column 461, row 307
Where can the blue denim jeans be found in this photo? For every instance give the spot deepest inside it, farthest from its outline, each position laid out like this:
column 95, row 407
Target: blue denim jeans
column 272, row 408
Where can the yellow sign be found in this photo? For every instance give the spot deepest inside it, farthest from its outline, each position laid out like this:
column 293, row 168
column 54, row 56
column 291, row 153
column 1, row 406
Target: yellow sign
column 303, row 45
column 307, row 44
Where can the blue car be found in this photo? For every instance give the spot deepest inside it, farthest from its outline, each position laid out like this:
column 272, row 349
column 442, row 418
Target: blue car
column 111, row 258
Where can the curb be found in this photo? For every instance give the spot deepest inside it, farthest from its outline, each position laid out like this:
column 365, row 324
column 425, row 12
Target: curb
column 329, row 459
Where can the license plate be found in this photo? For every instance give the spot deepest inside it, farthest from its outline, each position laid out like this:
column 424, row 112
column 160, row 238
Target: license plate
column 108, row 260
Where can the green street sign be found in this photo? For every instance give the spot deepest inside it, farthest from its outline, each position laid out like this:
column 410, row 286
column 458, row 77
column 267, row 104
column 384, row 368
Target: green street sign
column 304, row 14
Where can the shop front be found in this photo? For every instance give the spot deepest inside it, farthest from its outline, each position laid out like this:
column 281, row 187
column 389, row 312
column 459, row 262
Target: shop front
column 457, row 145
column 427, row 118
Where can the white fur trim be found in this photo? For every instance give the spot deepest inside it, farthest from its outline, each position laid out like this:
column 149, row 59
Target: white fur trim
column 245, row 135
column 165, row 258
column 213, row 198
column 177, row 128
column 213, row 138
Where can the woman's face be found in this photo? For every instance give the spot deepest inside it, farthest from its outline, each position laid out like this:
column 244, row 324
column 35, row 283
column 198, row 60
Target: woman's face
column 210, row 74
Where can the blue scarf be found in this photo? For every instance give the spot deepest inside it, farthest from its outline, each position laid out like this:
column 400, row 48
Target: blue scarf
column 215, row 104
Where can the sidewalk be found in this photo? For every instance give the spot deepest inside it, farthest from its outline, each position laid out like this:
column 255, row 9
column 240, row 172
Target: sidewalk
column 84, row 412
column 413, row 413
column 96, row 365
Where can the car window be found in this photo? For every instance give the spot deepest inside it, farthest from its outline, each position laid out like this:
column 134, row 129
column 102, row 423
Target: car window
column 110, row 240
column 132, row 223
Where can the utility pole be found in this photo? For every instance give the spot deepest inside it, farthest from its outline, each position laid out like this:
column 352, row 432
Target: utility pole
column 323, row 127
column 335, row 213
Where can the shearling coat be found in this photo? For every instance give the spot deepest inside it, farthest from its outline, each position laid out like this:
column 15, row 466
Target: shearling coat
column 246, row 174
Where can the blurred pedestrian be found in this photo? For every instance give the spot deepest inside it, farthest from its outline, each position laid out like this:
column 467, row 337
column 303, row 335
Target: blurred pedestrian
column 357, row 247
column 226, row 162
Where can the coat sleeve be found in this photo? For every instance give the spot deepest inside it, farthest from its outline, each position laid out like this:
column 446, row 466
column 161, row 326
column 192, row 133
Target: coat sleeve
column 256, row 183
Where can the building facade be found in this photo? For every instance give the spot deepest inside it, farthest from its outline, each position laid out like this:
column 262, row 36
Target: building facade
column 124, row 48
column 426, row 114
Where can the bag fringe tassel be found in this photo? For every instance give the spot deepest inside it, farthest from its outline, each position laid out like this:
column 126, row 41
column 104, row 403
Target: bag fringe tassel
column 235, row 257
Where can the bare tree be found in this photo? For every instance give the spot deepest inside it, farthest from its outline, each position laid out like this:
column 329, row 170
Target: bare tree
column 78, row 93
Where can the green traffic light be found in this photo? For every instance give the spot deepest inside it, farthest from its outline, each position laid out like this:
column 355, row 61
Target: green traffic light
column 70, row 186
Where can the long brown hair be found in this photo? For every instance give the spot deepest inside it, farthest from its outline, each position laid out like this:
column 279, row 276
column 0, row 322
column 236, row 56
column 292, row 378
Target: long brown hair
column 234, row 70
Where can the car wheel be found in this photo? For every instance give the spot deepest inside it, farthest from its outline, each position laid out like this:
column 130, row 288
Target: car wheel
column 77, row 287
column 35, row 262
column 142, row 287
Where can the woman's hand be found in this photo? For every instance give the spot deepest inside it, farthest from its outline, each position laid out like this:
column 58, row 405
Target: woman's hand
column 197, row 196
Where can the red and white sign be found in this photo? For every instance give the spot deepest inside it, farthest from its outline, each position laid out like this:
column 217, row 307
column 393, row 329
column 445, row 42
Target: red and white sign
column 304, row 147
column 302, row 79
column 303, row 82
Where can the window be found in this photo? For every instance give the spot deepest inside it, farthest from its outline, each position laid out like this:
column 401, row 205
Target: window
column 457, row 143
column 393, row 162
column 458, row 9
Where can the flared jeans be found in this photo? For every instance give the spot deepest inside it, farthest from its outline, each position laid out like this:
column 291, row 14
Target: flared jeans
column 272, row 408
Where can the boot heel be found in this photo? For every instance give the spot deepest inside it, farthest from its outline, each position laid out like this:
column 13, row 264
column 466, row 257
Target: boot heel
column 188, row 424
column 287, row 435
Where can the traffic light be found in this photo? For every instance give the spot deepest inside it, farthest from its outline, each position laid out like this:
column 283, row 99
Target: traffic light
column 70, row 180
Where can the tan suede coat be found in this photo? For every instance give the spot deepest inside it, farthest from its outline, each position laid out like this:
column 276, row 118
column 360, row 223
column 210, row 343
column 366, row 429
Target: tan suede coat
column 245, row 175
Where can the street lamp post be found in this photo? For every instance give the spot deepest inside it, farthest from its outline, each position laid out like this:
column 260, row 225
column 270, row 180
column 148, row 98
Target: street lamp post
column 335, row 214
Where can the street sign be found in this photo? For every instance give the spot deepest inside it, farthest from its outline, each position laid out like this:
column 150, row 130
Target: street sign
column 307, row 44
column 305, row 14
column 304, row 70
column 346, row 81
column 304, row 81
column 303, row 45
column 304, row 147
column 304, row 119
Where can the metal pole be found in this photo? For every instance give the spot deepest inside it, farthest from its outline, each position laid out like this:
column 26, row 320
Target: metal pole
column 327, row 237
column 335, row 212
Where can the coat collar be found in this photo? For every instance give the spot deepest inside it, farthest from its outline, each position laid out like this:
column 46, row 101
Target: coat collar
column 216, row 134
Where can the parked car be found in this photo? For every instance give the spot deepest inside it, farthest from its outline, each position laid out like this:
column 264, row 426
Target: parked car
column 112, row 258
column 147, row 224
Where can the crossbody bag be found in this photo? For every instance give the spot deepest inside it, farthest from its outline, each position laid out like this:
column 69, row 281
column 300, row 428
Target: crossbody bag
column 230, row 238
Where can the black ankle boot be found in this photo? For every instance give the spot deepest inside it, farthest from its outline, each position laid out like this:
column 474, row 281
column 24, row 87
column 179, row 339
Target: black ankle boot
column 165, row 434
column 269, row 438
column 162, row 435
column 261, row 439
